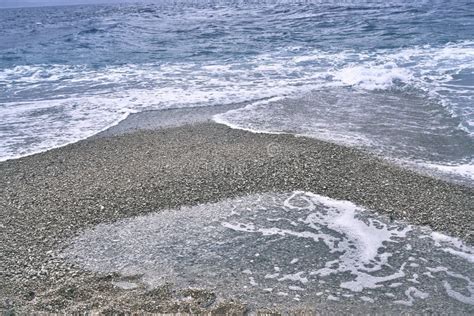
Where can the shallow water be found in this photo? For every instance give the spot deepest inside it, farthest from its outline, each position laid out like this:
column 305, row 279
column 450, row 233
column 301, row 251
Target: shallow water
column 67, row 73
column 286, row 250
column 405, row 127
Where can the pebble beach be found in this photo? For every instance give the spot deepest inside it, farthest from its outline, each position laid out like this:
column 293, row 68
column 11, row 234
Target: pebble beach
column 50, row 197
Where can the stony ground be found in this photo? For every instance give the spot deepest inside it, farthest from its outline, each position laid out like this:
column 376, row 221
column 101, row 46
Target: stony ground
column 47, row 198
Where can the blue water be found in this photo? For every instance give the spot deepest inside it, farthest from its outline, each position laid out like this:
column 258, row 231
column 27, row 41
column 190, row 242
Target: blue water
column 396, row 78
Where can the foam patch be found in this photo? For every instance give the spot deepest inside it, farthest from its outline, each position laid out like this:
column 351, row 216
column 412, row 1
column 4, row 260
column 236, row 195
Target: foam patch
column 284, row 249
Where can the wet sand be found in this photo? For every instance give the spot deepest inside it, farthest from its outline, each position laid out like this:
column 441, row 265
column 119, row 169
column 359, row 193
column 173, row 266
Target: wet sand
column 50, row 197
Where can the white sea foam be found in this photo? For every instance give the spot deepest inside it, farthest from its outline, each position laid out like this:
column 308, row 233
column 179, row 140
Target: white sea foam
column 374, row 77
column 56, row 123
column 453, row 245
column 344, row 252
column 464, row 170
column 412, row 293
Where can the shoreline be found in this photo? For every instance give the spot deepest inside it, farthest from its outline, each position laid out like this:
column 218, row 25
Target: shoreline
column 152, row 120
column 49, row 197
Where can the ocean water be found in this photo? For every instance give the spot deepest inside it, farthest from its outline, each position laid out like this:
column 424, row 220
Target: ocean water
column 396, row 77
column 294, row 249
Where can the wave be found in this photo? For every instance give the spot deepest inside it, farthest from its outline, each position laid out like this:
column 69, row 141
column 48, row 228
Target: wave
column 46, row 106
column 374, row 78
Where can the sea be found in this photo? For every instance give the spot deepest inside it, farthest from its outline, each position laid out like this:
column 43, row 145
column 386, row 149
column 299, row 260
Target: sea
column 395, row 78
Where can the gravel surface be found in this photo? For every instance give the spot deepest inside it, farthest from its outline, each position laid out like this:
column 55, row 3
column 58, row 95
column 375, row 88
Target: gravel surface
column 47, row 198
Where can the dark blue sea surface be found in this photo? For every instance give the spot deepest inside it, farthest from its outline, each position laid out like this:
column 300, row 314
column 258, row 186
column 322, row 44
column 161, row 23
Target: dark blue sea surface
column 394, row 77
